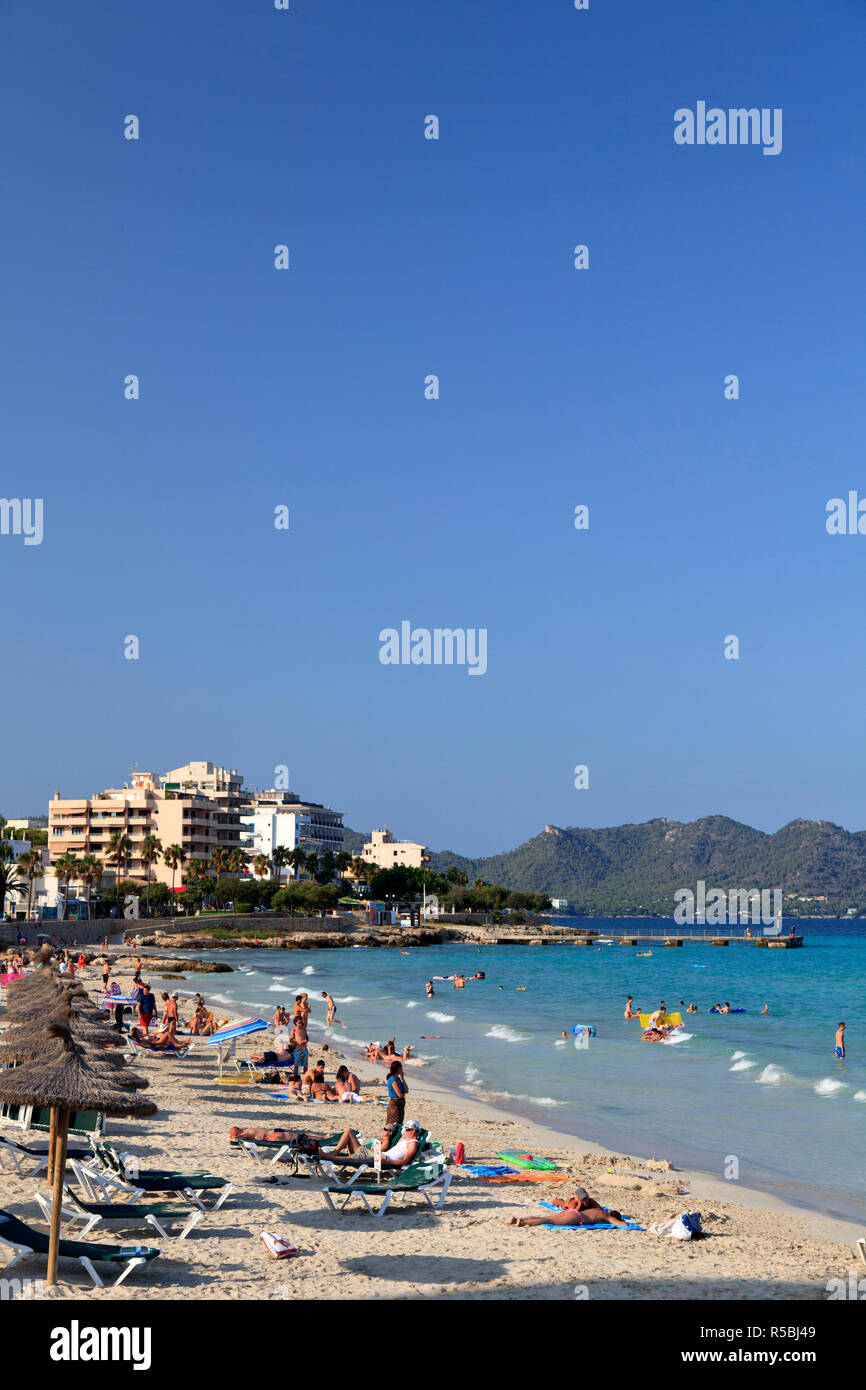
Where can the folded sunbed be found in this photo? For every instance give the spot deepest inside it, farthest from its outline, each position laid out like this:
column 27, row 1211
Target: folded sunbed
column 24, row 1240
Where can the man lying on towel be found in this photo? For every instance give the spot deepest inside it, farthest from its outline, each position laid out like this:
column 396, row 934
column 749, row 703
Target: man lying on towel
column 579, row 1210
column 393, row 1155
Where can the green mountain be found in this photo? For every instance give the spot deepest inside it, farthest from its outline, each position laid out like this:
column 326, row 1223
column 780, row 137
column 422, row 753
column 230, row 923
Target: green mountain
column 638, row 868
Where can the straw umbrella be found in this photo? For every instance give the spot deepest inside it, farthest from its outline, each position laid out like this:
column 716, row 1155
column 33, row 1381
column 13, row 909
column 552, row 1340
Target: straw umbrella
column 26, row 1041
column 67, row 1077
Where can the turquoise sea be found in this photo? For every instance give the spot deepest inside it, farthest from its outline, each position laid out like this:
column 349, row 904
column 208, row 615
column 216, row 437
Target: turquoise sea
column 765, row 1090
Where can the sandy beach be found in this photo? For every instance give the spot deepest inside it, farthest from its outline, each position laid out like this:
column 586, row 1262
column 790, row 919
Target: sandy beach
column 757, row 1247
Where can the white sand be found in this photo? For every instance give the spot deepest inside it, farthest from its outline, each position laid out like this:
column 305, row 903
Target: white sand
column 757, row 1247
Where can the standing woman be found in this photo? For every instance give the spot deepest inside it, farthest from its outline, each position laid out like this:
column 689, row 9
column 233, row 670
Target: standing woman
column 397, row 1090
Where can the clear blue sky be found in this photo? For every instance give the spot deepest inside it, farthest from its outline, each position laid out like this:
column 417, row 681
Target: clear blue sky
column 558, row 387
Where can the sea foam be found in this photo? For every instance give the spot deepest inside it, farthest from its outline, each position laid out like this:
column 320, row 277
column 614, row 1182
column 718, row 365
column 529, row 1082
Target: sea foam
column 828, row 1087
column 308, row 970
column 743, row 1065
column 506, row 1034
column 735, row 1056
column 771, row 1076
column 860, row 1095
column 441, row 1018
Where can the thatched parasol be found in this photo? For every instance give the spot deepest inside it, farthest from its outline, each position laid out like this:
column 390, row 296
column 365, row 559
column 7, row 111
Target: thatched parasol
column 65, row 1077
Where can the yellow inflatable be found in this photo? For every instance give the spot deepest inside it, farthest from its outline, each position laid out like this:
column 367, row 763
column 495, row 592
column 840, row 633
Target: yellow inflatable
column 666, row 1020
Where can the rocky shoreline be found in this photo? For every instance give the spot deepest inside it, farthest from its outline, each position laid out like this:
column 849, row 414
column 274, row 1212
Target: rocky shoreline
column 403, row 938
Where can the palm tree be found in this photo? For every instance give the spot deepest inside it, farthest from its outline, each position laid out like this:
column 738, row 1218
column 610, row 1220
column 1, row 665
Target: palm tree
column 280, row 858
column 312, row 863
column 91, row 873
column 173, row 858
column 238, row 861
column 10, row 881
column 219, row 861
column 298, row 861
column 150, row 850
column 362, row 870
column 67, row 868
column 261, row 866
column 31, row 862
column 343, row 862
column 119, row 851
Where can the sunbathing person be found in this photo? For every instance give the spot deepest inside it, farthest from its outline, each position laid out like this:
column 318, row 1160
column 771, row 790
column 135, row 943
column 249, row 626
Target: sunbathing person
column 283, row 1058
column 393, row 1155
column 274, row 1135
column 592, row 1216
column 156, row 1042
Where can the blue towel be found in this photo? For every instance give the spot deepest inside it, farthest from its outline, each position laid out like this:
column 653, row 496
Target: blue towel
column 601, row 1226
column 488, row 1170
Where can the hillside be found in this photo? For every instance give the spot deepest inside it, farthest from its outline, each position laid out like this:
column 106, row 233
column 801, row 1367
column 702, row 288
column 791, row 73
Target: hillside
column 633, row 868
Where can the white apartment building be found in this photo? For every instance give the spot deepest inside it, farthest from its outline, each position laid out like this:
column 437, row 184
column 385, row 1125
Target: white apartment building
column 278, row 819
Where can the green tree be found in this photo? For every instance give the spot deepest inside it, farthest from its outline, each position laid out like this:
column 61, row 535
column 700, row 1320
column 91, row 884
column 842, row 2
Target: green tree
column 67, row 867
column 280, row 857
column 219, row 862
column 327, row 867
column 10, row 882
column 173, row 858
column 119, row 852
column 298, row 861
column 31, row 862
column 91, row 874
column 150, row 850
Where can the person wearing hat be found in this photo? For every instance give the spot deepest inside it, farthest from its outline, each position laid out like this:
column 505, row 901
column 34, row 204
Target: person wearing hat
column 394, row 1155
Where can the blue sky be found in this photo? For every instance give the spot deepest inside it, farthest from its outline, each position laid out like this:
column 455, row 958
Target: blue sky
column 558, row 387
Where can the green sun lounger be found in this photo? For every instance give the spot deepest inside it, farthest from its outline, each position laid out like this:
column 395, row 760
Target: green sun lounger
column 422, row 1178
column 284, row 1150
column 158, row 1215
column 17, row 1152
column 123, row 1174
column 24, row 1240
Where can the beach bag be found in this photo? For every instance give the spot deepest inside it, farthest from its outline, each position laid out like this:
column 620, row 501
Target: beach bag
column 685, row 1227
column 278, row 1247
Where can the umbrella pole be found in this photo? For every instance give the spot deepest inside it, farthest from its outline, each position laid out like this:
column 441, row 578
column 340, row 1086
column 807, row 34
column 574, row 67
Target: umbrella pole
column 52, row 1143
column 57, row 1194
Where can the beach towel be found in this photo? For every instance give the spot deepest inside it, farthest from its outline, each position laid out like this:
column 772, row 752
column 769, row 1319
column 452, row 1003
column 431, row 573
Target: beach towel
column 488, row 1170
column 533, row 1177
column 602, row 1226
